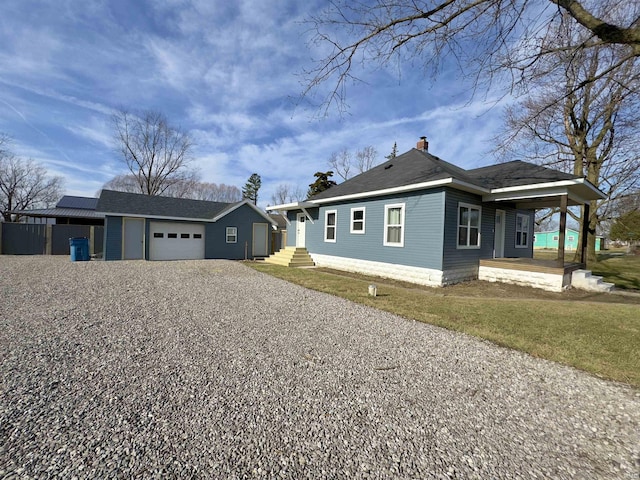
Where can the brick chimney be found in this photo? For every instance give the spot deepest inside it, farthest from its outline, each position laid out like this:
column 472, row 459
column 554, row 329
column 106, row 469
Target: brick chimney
column 423, row 145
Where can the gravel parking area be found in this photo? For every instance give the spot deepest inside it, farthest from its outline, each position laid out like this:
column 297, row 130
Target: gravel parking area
column 209, row 369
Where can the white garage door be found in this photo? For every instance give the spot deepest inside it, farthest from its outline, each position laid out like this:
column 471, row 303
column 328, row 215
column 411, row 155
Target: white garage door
column 176, row 241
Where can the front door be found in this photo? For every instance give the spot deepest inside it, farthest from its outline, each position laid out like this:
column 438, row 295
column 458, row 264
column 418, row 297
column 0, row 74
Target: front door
column 300, row 230
column 133, row 237
column 498, row 241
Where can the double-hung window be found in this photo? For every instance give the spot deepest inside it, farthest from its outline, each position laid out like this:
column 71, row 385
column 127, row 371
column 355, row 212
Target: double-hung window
column 522, row 230
column 394, row 225
column 330, row 221
column 468, row 226
column 357, row 220
column 232, row 234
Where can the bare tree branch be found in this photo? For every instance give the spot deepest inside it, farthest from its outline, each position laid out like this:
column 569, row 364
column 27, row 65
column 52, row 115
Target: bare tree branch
column 156, row 154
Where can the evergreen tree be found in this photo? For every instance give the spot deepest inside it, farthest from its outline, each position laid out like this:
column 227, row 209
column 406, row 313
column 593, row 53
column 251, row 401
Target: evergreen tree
column 250, row 189
column 321, row 184
column 394, row 152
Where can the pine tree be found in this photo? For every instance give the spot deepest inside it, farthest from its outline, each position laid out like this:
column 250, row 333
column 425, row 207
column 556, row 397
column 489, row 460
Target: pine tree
column 250, row 189
column 321, row 184
column 394, row 152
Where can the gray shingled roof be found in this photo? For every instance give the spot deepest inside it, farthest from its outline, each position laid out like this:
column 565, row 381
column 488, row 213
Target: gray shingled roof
column 84, row 203
column 137, row 204
column 515, row 174
column 416, row 166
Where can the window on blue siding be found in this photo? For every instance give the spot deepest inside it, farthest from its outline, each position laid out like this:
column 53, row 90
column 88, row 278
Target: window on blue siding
column 522, row 230
column 232, row 234
column 357, row 220
column 394, row 225
column 469, row 225
column 330, row 221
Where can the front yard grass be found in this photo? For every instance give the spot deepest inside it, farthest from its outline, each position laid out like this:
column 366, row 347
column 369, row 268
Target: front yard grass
column 612, row 265
column 597, row 333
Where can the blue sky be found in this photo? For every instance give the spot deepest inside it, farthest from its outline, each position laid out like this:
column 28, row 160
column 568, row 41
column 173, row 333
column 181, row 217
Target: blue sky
column 226, row 71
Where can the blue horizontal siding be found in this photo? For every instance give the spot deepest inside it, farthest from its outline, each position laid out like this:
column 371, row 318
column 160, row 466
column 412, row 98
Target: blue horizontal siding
column 423, row 230
column 242, row 218
column 510, row 249
column 454, row 257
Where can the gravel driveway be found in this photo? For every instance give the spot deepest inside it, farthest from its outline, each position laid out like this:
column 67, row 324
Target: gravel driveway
column 209, row 369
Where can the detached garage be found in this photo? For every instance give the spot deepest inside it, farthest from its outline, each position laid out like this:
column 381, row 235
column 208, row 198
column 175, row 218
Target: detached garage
column 163, row 228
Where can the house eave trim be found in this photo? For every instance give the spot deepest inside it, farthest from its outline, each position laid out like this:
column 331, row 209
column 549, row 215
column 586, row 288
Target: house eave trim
column 250, row 204
column 406, row 188
column 559, row 187
column 158, row 217
column 291, row 206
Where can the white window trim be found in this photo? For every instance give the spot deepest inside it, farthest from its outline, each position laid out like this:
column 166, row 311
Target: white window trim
column 386, row 225
column 469, row 206
column 364, row 215
column 231, row 232
column 326, row 226
column 523, row 216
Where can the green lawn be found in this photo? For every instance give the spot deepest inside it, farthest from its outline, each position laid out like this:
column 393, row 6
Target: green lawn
column 613, row 265
column 592, row 332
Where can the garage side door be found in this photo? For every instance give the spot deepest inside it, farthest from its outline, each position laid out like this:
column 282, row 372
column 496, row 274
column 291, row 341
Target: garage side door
column 176, row 241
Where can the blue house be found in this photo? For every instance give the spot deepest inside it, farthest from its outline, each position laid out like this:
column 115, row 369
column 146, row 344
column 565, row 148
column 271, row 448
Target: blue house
column 549, row 240
column 163, row 228
column 421, row 219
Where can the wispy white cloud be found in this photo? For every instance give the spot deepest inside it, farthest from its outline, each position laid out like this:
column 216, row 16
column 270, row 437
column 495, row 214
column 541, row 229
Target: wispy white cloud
column 225, row 71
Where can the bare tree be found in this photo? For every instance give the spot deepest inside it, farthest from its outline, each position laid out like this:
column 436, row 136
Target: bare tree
column 581, row 117
column 483, row 36
column 184, row 188
column 286, row 193
column 122, row 183
column 366, row 158
column 344, row 162
column 156, row 153
column 341, row 163
column 24, row 184
column 216, row 192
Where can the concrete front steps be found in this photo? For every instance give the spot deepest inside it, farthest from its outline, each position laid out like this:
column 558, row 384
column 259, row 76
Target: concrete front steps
column 291, row 257
column 583, row 280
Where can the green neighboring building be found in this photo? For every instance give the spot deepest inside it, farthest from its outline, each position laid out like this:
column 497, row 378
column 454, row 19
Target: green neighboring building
column 550, row 240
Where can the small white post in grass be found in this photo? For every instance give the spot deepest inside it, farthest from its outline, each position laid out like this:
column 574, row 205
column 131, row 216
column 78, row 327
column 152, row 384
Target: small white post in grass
column 373, row 290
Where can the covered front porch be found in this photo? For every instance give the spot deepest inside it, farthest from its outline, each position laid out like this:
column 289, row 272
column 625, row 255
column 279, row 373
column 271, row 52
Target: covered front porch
column 548, row 274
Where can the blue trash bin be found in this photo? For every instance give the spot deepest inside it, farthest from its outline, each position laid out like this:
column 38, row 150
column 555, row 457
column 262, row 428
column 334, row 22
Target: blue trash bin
column 79, row 248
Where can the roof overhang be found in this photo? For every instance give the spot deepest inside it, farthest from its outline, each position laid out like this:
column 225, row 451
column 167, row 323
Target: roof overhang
column 291, row 206
column 579, row 191
column 452, row 182
column 220, row 215
column 543, row 195
column 251, row 205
